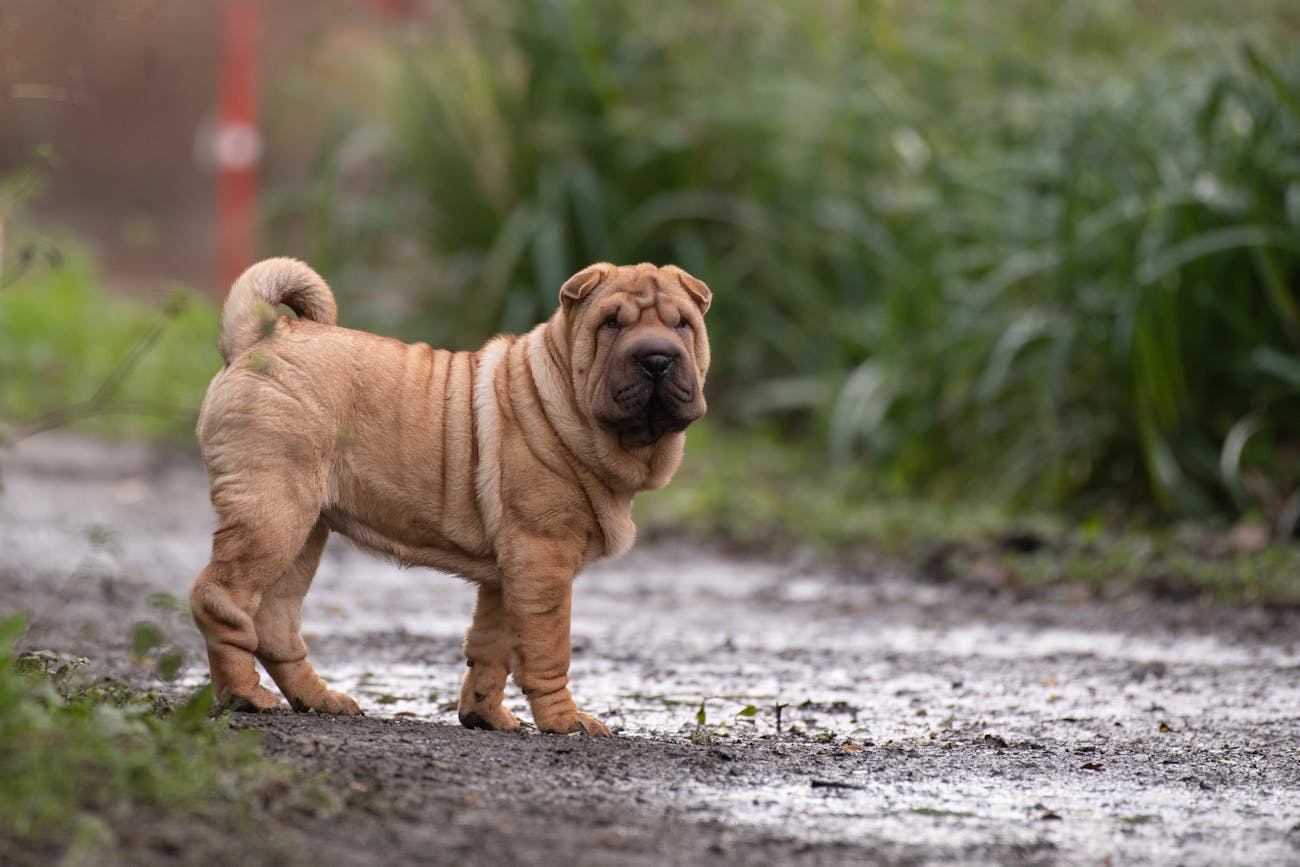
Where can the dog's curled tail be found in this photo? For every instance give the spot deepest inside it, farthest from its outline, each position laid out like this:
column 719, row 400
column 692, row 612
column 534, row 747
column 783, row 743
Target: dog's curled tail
column 249, row 313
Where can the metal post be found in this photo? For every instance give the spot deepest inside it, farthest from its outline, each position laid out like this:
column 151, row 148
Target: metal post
column 237, row 145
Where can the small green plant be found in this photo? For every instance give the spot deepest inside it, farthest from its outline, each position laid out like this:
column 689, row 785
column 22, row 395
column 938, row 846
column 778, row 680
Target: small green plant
column 701, row 716
column 151, row 640
column 78, row 757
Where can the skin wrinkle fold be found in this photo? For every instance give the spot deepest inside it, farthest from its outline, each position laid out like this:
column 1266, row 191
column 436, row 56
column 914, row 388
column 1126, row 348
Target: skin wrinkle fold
column 442, row 450
column 552, row 458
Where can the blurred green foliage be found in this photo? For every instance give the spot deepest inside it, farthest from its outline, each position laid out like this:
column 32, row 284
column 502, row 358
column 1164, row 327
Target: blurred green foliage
column 1039, row 254
column 71, row 351
column 753, row 493
column 78, row 758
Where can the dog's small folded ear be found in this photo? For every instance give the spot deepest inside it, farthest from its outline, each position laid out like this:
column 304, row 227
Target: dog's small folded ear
column 580, row 285
column 694, row 287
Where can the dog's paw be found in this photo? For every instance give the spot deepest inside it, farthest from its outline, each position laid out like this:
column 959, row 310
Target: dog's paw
column 259, row 700
column 497, row 719
column 328, row 701
column 576, row 723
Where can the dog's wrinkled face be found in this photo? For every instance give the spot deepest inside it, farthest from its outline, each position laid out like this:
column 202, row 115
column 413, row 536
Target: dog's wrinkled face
column 641, row 331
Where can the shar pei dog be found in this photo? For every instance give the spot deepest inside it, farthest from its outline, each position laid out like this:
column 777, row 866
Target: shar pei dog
column 513, row 466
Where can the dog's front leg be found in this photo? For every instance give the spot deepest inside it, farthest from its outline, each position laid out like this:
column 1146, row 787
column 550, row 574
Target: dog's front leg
column 537, row 592
column 488, row 648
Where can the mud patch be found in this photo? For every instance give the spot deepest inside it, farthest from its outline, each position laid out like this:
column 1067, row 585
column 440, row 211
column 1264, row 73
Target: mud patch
column 768, row 712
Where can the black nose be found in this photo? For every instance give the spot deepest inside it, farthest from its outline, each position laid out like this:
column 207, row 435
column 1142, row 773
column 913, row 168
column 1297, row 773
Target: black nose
column 655, row 364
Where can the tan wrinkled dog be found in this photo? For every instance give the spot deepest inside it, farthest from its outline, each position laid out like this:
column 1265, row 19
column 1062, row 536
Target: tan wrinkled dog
column 513, row 466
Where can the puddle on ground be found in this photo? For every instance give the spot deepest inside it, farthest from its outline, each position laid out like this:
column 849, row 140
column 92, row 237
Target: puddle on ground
column 695, row 647
column 657, row 645
column 973, row 722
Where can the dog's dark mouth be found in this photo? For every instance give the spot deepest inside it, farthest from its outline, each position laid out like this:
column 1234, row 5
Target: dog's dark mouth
column 643, row 413
column 654, row 427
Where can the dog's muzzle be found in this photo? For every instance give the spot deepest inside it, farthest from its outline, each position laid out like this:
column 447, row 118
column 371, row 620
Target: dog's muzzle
column 652, row 393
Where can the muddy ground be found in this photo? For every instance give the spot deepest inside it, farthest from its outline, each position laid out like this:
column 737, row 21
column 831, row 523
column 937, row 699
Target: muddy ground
column 917, row 723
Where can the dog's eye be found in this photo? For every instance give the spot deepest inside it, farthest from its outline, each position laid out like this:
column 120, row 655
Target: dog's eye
column 683, row 324
column 611, row 322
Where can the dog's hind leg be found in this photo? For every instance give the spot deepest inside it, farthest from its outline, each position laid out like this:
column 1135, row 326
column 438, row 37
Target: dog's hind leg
column 280, row 647
column 266, row 510
column 487, row 652
column 246, row 561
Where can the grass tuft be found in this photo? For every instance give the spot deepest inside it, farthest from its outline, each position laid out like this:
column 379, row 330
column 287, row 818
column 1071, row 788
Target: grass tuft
column 80, row 759
column 754, row 494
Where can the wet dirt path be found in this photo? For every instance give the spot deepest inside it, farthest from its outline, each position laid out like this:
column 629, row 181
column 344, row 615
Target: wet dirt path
column 917, row 723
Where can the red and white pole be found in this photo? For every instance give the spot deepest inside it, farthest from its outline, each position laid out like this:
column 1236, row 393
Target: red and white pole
column 237, row 146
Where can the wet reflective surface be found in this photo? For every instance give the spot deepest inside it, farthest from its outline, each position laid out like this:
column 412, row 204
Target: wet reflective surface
column 914, row 720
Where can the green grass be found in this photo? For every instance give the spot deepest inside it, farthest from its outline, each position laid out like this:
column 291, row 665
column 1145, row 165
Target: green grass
column 79, row 759
column 1186, row 565
column 70, row 351
column 1040, row 255
column 753, row 493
